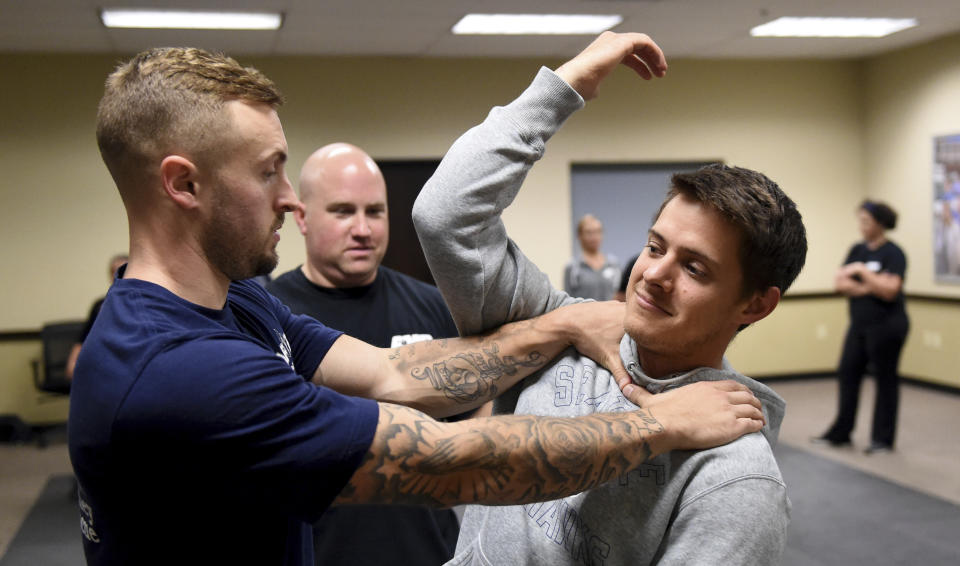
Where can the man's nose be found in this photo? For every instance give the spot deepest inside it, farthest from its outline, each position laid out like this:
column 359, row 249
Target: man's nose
column 660, row 273
column 287, row 201
column 361, row 227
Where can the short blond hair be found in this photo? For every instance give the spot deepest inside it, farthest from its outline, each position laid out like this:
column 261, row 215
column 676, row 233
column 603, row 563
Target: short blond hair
column 170, row 100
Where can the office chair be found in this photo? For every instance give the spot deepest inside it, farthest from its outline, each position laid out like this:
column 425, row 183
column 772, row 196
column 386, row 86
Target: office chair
column 50, row 372
column 58, row 338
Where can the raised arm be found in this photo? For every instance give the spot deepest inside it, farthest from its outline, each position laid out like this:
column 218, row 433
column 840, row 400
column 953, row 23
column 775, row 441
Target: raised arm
column 484, row 277
column 517, row 459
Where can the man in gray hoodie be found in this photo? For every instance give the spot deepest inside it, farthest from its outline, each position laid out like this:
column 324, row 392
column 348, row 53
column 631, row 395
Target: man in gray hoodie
column 726, row 244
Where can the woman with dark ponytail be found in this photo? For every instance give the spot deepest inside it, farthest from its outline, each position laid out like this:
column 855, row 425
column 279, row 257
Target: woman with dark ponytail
column 872, row 278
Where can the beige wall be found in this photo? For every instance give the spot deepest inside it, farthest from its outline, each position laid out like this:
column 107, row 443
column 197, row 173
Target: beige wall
column 764, row 115
column 797, row 121
column 59, row 215
column 830, row 132
column 909, row 98
column 801, row 336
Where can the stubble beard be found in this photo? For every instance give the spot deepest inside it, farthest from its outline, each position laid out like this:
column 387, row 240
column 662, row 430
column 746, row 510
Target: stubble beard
column 235, row 251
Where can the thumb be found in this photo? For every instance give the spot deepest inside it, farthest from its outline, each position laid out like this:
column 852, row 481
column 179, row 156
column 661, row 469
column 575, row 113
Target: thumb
column 634, row 393
column 614, row 365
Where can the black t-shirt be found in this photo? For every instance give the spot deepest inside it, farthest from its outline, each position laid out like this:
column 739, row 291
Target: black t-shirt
column 394, row 310
column 888, row 258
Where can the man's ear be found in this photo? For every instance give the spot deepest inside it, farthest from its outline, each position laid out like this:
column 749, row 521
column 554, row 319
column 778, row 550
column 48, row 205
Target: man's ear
column 760, row 305
column 300, row 216
column 179, row 177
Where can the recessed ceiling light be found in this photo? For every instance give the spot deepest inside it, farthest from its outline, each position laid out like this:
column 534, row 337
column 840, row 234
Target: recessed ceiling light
column 170, row 19
column 832, row 27
column 535, row 24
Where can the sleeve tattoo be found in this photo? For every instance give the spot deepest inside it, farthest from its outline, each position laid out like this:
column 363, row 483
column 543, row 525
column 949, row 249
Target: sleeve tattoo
column 500, row 460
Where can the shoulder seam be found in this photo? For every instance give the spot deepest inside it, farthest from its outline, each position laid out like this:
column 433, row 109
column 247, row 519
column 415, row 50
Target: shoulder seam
column 728, row 482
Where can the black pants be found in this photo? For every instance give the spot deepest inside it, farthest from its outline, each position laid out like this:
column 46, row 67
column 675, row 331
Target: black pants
column 879, row 345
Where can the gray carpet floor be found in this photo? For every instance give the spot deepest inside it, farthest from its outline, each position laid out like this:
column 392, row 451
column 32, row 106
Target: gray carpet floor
column 50, row 534
column 840, row 516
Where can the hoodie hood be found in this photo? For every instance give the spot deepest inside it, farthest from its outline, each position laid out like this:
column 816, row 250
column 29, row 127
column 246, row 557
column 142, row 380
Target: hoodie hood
column 773, row 404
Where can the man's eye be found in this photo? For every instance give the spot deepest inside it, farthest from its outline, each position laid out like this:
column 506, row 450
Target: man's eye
column 654, row 250
column 695, row 270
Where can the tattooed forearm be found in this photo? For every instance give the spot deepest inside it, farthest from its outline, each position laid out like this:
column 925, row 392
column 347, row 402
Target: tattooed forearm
column 468, row 376
column 502, row 460
column 471, row 369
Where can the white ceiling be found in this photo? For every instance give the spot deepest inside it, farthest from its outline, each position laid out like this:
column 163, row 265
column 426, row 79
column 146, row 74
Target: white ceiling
column 684, row 28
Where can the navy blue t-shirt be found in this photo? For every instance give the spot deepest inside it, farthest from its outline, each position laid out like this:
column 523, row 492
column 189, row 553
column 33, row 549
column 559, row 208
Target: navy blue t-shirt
column 196, row 435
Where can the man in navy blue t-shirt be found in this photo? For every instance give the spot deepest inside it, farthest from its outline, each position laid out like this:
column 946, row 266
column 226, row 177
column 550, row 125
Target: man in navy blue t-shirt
column 210, row 425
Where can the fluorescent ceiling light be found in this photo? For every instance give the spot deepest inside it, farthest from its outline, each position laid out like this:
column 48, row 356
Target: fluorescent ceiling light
column 832, row 27
column 170, row 19
column 534, row 24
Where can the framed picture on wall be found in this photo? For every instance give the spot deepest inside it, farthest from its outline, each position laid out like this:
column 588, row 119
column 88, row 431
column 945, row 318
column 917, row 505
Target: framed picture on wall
column 946, row 208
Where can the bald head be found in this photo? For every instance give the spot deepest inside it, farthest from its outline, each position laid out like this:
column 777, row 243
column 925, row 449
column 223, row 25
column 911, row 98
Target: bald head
column 336, row 164
column 344, row 220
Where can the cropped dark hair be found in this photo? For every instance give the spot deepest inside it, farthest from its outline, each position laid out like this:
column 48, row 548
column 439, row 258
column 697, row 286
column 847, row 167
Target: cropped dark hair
column 773, row 243
column 883, row 214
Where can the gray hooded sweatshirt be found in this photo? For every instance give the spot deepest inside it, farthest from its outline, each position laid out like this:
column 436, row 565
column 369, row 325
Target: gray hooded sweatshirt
column 726, row 505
